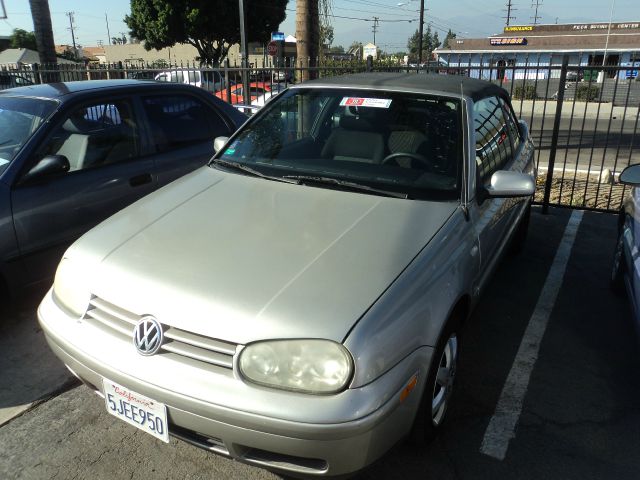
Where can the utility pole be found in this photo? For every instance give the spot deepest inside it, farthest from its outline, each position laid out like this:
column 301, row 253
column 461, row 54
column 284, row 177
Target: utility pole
column 420, row 33
column 509, row 9
column 73, row 36
column 108, row 33
column 375, row 28
column 536, row 4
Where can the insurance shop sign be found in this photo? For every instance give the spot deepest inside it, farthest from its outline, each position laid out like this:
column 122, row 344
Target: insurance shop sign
column 500, row 41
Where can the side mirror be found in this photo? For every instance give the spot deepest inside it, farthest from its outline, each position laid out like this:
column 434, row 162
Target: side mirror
column 505, row 183
column 47, row 167
column 219, row 143
column 630, row 175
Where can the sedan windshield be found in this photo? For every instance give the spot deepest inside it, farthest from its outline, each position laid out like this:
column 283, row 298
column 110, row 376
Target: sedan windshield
column 19, row 119
column 386, row 142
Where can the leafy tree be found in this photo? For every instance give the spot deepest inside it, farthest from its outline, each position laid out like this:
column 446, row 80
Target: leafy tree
column 22, row 39
column 160, row 63
column 450, row 36
column 337, row 49
column 430, row 41
column 210, row 26
column 69, row 54
column 326, row 35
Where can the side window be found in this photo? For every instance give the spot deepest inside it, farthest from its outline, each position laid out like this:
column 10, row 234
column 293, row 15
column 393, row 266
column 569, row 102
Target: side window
column 512, row 123
column 493, row 148
column 179, row 121
column 95, row 135
column 177, row 77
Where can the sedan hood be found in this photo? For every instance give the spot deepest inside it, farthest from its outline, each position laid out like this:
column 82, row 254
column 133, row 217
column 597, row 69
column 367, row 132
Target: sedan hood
column 244, row 259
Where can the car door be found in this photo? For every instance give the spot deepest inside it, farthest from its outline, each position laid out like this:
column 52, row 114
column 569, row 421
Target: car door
column 494, row 151
column 108, row 170
column 182, row 129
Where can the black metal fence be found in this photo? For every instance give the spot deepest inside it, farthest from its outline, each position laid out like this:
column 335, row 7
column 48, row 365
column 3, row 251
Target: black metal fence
column 583, row 119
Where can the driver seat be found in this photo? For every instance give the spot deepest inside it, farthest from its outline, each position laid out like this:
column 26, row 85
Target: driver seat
column 355, row 140
column 407, row 141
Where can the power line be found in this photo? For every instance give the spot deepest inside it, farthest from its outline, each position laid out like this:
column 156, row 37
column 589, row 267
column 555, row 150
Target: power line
column 536, row 4
column 509, row 9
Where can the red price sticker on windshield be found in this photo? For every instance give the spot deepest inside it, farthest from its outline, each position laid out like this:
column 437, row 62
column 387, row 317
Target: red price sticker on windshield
column 365, row 102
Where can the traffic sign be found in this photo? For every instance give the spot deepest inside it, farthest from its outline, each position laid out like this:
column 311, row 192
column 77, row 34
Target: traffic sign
column 272, row 48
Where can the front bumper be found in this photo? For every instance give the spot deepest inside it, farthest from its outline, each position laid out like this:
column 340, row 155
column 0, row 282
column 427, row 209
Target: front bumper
column 302, row 435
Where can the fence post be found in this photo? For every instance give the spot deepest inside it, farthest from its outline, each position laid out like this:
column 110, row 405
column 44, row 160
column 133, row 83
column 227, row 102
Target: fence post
column 226, row 80
column 554, row 137
column 369, row 63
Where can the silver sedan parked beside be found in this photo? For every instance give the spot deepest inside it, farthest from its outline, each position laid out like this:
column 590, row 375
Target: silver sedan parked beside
column 297, row 304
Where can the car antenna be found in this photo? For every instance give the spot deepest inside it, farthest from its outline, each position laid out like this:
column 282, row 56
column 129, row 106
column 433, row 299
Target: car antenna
column 465, row 180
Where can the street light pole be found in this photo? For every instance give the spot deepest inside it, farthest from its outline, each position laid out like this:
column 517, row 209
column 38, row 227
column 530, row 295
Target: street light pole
column 420, row 30
column 244, row 54
column 602, row 74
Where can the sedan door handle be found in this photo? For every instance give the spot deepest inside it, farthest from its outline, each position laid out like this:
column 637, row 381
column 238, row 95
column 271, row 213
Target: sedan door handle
column 139, row 180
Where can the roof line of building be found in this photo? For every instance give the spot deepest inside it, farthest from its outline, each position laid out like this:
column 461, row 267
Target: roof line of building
column 523, row 34
column 581, row 50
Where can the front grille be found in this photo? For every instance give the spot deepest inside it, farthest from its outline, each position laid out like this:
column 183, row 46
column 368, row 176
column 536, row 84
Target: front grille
column 121, row 322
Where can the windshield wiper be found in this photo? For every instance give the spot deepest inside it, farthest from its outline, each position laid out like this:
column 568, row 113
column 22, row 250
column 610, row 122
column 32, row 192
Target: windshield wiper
column 307, row 179
column 246, row 169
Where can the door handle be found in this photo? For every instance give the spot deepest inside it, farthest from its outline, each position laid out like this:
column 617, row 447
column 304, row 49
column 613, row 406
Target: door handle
column 139, row 180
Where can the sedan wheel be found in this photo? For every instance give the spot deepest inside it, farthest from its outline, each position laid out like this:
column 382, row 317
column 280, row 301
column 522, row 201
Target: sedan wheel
column 438, row 387
column 444, row 380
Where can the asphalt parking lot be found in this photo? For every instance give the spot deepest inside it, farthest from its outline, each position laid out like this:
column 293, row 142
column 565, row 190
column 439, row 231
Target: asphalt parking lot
column 579, row 411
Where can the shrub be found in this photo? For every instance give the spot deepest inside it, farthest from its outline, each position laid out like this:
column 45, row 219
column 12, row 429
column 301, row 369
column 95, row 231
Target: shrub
column 588, row 93
column 527, row 92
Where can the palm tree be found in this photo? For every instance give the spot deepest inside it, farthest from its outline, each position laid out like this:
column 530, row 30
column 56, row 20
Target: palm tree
column 44, row 33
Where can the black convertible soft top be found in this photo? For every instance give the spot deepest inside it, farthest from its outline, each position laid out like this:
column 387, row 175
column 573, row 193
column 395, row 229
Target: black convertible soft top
column 428, row 83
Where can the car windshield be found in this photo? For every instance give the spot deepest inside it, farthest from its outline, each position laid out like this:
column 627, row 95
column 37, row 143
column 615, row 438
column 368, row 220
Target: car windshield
column 404, row 143
column 19, row 119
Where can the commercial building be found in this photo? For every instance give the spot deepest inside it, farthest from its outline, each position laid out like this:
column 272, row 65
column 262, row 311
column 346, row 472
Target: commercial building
column 513, row 53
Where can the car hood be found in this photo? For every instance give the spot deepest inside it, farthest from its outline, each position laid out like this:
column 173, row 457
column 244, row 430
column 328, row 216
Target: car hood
column 242, row 259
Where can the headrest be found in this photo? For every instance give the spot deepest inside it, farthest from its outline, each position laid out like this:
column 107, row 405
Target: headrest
column 75, row 125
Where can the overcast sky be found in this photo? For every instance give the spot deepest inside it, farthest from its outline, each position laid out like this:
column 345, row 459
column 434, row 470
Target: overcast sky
column 468, row 18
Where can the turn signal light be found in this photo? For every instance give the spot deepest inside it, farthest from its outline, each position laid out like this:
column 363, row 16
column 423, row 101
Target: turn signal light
column 410, row 386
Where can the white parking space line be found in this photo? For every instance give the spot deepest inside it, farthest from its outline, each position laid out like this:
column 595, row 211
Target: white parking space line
column 501, row 428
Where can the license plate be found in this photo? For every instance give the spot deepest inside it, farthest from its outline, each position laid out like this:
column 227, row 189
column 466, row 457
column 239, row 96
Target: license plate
column 136, row 409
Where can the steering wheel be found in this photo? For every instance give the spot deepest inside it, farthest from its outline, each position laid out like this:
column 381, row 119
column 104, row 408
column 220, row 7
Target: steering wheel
column 414, row 156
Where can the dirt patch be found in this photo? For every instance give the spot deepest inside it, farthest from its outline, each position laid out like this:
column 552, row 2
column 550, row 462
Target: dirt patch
column 581, row 190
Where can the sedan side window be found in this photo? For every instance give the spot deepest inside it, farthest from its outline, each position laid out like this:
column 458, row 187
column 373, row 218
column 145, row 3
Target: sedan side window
column 95, row 135
column 180, row 121
column 493, row 148
column 512, row 123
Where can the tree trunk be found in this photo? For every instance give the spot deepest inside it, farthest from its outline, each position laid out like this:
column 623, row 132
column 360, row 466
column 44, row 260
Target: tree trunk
column 44, row 37
column 307, row 36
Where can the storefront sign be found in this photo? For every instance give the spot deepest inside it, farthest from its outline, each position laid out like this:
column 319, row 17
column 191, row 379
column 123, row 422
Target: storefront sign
column 509, row 41
column 519, row 28
column 605, row 26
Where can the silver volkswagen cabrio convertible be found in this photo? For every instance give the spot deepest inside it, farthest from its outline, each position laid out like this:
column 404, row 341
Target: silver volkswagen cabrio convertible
column 297, row 304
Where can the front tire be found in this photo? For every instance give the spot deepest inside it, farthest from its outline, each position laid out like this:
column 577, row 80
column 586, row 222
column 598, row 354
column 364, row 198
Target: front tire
column 439, row 386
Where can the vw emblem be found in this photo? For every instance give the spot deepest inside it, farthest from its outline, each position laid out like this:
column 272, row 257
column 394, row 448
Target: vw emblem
column 147, row 336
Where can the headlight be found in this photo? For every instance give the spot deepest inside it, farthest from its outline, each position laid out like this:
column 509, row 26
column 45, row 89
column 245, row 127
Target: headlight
column 309, row 366
column 69, row 288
